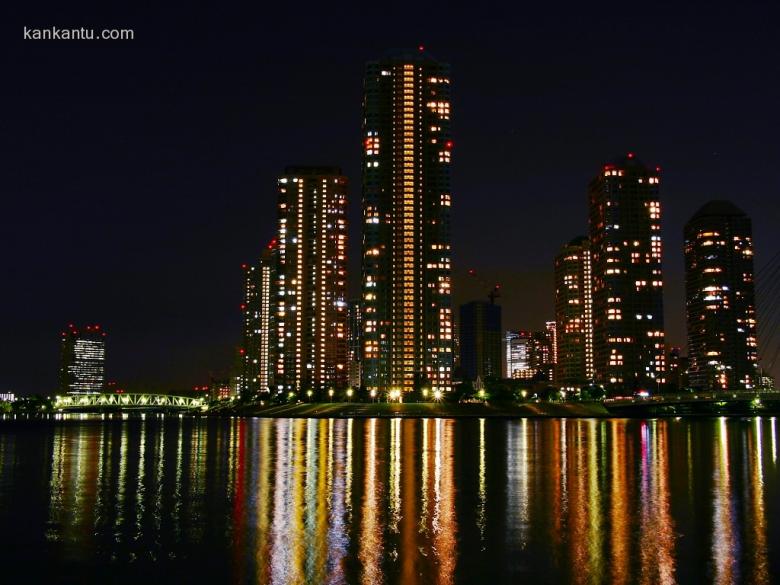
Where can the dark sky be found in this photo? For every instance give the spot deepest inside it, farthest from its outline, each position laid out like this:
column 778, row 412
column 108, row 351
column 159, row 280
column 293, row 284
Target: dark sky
column 137, row 176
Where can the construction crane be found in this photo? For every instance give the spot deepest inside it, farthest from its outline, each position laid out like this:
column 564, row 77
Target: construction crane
column 493, row 293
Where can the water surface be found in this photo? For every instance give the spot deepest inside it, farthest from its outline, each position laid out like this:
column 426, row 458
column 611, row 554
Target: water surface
column 187, row 500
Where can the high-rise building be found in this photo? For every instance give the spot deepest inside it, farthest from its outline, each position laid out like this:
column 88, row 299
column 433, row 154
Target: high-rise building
column 625, row 243
column 551, row 328
column 311, row 281
column 574, row 315
column 407, row 315
column 354, row 344
column 517, row 354
column 82, row 360
column 540, row 355
column 720, row 299
column 258, row 316
column 676, row 369
column 480, row 340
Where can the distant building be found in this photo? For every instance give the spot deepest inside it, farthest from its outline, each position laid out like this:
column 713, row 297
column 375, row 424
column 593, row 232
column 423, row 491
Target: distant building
column 354, row 344
column 574, row 315
column 311, row 309
column 220, row 389
column 541, row 350
column 720, row 299
column 7, row 397
column 480, row 340
column 258, row 325
column 82, row 360
column 407, row 322
column 625, row 245
column 517, row 354
column 551, row 327
column 677, row 366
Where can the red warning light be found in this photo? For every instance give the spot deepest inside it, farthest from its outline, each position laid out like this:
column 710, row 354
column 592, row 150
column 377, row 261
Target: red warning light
column 448, row 144
column 421, row 48
column 630, row 155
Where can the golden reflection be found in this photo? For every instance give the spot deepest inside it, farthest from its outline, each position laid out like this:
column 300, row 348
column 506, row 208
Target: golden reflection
column 371, row 546
column 757, row 515
column 723, row 542
column 445, row 525
column 424, row 480
column 774, row 441
column 395, row 474
column 263, row 501
column 656, row 525
column 618, row 513
column 408, row 503
column 578, row 506
column 595, row 513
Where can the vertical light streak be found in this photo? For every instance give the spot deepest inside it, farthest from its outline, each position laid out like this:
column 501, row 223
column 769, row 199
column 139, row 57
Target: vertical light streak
column 619, row 538
column 263, row 501
column 723, row 544
column 395, row 474
column 370, row 551
column 758, row 519
column 445, row 528
column 482, row 484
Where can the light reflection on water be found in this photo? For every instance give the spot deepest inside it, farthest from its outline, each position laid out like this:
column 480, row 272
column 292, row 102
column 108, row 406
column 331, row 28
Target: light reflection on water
column 393, row 500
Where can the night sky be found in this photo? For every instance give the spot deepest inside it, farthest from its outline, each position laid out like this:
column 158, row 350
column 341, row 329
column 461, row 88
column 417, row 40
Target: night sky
column 137, row 176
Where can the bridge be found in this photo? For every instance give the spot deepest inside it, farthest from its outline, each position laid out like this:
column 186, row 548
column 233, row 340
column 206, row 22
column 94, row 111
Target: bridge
column 92, row 402
column 703, row 403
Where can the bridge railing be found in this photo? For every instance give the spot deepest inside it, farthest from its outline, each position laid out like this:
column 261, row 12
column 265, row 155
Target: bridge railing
column 75, row 401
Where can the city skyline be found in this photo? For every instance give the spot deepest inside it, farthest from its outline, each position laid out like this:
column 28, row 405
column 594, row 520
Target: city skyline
column 527, row 277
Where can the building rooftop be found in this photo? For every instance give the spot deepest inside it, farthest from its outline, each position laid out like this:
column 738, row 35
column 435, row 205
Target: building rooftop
column 718, row 207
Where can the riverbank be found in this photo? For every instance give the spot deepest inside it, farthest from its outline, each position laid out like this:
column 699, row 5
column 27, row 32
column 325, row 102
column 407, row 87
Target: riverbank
column 421, row 410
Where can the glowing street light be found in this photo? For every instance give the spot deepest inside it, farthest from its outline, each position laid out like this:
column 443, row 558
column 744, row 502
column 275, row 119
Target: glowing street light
column 437, row 395
column 330, row 394
column 309, row 393
column 349, row 392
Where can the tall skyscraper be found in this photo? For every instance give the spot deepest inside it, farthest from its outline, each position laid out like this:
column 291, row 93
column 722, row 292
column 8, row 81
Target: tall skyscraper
column 574, row 315
column 720, row 299
column 82, row 360
column 311, row 282
column 406, row 232
column 551, row 327
column 625, row 240
column 480, row 340
column 258, row 314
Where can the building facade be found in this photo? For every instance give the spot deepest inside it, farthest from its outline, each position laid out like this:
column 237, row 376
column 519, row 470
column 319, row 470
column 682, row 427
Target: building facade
column 625, row 243
column 574, row 315
column 517, row 350
column 720, row 299
column 258, row 322
column 354, row 344
column 311, row 281
column 480, row 340
column 82, row 360
column 406, row 273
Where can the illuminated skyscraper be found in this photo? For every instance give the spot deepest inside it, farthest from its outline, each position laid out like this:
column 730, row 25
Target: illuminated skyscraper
column 82, row 360
column 517, row 353
column 574, row 315
column 258, row 314
column 625, row 241
column 720, row 299
column 407, row 315
column 311, row 311
column 480, row 340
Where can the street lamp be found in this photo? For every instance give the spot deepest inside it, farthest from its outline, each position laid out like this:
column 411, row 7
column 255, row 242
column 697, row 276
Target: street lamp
column 373, row 394
column 330, row 394
column 309, row 393
column 349, row 393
